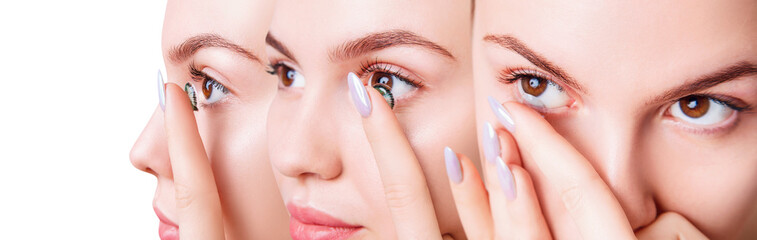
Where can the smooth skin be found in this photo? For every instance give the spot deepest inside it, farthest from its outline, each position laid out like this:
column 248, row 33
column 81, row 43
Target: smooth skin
column 223, row 143
column 588, row 200
column 625, row 66
column 198, row 205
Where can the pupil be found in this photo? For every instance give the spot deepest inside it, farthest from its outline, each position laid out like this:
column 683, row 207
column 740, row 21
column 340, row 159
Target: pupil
column 290, row 74
column 384, row 80
column 534, row 83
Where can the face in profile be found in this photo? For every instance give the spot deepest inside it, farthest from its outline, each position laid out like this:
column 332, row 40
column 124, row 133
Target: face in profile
column 659, row 97
column 321, row 158
column 218, row 49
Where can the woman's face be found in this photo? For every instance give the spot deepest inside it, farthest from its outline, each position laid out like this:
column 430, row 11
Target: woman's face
column 660, row 97
column 218, row 48
column 321, row 158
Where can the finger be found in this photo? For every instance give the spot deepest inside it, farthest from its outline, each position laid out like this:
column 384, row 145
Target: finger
column 586, row 197
column 670, row 225
column 405, row 186
column 471, row 198
column 514, row 203
column 197, row 202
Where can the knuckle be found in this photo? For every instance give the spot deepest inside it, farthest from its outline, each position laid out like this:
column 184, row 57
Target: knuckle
column 401, row 195
column 573, row 198
column 184, row 196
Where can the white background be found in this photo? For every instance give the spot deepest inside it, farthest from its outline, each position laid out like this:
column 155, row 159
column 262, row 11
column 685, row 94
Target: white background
column 77, row 85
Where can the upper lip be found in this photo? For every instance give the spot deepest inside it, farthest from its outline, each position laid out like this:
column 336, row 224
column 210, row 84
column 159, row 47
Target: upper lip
column 311, row 216
column 163, row 217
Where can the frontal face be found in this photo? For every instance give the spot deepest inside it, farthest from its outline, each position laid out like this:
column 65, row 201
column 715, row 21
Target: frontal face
column 662, row 101
column 213, row 47
column 319, row 151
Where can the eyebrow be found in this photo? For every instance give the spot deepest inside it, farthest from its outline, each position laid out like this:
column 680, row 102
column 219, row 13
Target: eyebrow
column 381, row 40
column 732, row 72
column 190, row 46
column 512, row 43
column 276, row 44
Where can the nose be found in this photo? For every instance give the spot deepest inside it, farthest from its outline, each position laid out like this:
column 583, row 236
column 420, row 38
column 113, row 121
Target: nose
column 307, row 134
column 617, row 152
column 150, row 152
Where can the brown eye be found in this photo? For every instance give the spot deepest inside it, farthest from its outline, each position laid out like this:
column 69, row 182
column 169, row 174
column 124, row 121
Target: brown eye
column 694, row 106
column 286, row 75
column 534, row 86
column 207, row 88
column 382, row 78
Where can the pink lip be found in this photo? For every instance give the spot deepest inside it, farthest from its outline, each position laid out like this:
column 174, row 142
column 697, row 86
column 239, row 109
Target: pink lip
column 167, row 230
column 309, row 223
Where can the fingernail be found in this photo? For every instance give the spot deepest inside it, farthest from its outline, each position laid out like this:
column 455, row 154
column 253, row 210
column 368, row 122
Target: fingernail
column 502, row 114
column 161, row 91
column 490, row 142
column 359, row 95
column 453, row 165
column 505, row 179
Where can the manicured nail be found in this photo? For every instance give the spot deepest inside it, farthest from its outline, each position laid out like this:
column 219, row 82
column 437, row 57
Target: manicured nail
column 161, row 91
column 491, row 142
column 505, row 179
column 454, row 171
column 502, row 114
column 359, row 95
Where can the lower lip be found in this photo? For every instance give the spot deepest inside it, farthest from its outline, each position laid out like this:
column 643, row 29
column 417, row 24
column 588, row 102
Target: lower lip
column 300, row 230
column 168, row 232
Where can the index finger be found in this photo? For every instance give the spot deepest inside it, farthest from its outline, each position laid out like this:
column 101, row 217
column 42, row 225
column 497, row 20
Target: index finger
column 405, row 186
column 586, row 197
column 198, row 205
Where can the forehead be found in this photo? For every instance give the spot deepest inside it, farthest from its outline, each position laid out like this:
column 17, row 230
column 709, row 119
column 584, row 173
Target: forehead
column 625, row 42
column 243, row 22
column 301, row 25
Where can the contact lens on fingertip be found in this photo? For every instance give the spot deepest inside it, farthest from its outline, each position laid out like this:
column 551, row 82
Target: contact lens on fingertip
column 386, row 92
column 192, row 97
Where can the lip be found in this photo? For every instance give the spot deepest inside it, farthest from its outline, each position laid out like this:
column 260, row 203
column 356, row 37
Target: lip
column 167, row 230
column 309, row 223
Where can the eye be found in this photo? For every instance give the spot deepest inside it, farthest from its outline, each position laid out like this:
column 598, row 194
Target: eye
column 398, row 87
column 701, row 110
column 390, row 76
column 540, row 92
column 288, row 77
column 213, row 91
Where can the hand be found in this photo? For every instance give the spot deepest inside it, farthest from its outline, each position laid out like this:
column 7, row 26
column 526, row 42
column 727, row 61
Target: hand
column 197, row 202
column 405, row 186
column 670, row 225
column 509, row 206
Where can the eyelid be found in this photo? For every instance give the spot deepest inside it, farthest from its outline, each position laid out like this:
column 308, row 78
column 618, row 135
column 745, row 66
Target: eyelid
column 199, row 76
column 208, row 72
column 275, row 62
column 382, row 66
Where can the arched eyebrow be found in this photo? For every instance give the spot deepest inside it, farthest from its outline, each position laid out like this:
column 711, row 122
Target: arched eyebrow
column 276, row 44
column 381, row 40
column 190, row 46
column 517, row 46
column 729, row 73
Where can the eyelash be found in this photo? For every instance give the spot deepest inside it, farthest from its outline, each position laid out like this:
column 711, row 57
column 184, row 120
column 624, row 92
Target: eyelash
column 375, row 65
column 200, row 77
column 728, row 101
column 510, row 75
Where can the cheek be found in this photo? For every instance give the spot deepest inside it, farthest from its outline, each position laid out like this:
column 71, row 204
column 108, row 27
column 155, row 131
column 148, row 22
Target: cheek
column 716, row 197
column 428, row 130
